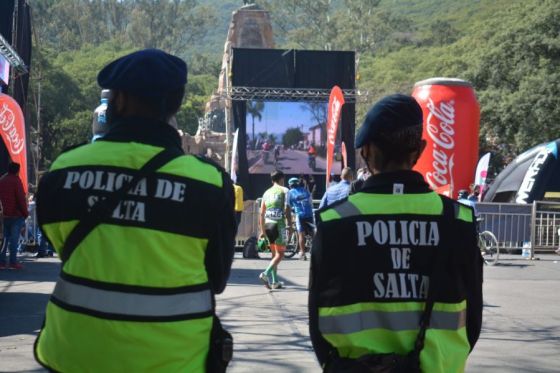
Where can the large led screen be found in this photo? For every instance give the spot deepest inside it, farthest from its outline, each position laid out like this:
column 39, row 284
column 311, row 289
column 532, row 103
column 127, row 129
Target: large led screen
column 290, row 137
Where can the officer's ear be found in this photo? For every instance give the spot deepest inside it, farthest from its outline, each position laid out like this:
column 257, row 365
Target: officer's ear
column 417, row 154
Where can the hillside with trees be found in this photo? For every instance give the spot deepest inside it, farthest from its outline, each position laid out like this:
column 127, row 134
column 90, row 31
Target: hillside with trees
column 509, row 50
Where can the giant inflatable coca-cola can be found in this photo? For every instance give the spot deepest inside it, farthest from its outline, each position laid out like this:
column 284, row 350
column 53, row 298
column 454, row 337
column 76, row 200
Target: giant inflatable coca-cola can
column 451, row 124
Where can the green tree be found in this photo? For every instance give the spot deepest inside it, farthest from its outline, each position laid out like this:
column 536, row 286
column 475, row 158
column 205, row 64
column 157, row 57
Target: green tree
column 255, row 110
column 292, row 136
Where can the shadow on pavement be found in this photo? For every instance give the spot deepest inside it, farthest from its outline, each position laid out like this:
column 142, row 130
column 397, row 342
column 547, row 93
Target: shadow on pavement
column 245, row 276
column 500, row 264
column 33, row 270
column 22, row 313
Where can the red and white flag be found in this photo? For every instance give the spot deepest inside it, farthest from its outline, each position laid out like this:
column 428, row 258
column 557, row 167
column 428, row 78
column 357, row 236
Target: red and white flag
column 336, row 100
column 12, row 132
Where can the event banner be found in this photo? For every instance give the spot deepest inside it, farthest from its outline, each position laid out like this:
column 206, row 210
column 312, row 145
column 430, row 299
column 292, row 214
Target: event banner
column 336, row 100
column 12, row 129
column 482, row 173
column 234, row 159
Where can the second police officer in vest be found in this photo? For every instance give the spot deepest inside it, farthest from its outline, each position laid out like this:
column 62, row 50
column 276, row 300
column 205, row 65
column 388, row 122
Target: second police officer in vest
column 145, row 234
column 381, row 256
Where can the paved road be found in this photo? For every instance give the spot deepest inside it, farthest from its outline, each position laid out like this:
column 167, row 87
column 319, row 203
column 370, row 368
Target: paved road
column 521, row 331
column 289, row 162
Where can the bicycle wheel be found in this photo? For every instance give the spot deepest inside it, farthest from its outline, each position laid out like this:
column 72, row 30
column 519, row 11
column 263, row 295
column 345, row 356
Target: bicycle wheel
column 291, row 245
column 489, row 247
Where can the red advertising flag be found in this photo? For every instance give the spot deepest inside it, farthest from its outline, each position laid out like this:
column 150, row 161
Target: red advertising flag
column 12, row 130
column 336, row 101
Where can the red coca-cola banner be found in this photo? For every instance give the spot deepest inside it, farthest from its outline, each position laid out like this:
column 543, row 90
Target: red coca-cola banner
column 12, row 130
column 451, row 124
column 336, row 100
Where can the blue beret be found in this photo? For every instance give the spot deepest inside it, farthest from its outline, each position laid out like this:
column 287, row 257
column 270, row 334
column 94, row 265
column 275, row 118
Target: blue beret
column 147, row 73
column 391, row 114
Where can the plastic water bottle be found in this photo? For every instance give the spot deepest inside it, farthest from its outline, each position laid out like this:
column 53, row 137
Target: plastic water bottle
column 526, row 250
column 100, row 126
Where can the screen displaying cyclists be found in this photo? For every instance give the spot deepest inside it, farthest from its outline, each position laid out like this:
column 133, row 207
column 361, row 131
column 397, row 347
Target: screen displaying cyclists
column 288, row 136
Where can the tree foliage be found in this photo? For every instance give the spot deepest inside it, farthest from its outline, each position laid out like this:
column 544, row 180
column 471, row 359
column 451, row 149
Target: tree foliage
column 74, row 39
column 292, row 136
column 508, row 50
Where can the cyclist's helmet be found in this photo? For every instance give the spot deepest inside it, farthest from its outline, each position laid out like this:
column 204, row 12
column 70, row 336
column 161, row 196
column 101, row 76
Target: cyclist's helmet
column 293, row 182
column 463, row 194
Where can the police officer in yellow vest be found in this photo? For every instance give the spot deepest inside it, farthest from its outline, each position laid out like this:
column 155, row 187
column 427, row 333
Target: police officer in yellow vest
column 145, row 234
column 396, row 274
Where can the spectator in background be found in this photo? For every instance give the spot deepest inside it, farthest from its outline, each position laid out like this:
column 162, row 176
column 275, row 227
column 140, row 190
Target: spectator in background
column 475, row 192
column 463, row 197
column 12, row 196
column 340, row 190
column 238, row 191
column 312, row 186
column 363, row 175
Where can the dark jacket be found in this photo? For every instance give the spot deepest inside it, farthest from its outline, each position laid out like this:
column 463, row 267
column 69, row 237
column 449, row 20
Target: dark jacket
column 12, row 196
column 378, row 247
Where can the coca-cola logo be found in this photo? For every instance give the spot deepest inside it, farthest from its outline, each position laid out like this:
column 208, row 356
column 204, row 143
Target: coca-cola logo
column 7, row 120
column 440, row 127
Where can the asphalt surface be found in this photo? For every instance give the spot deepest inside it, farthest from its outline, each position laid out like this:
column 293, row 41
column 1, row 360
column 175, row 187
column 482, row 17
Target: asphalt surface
column 521, row 329
column 290, row 162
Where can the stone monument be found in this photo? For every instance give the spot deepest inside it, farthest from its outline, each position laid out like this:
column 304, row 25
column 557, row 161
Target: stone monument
column 250, row 27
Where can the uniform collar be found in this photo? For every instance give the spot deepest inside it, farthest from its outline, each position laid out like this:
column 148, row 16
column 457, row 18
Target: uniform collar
column 145, row 131
column 383, row 183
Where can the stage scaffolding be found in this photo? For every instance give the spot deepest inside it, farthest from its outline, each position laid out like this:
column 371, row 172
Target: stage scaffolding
column 290, row 94
column 12, row 57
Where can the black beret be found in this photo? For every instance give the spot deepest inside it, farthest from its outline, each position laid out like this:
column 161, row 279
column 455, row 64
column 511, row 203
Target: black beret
column 147, row 73
column 391, row 114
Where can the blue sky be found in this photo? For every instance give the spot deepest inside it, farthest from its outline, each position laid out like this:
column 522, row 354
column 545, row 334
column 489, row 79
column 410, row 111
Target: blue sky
column 277, row 117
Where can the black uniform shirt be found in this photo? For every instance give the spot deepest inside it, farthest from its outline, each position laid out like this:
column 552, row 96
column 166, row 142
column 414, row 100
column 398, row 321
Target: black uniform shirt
column 341, row 273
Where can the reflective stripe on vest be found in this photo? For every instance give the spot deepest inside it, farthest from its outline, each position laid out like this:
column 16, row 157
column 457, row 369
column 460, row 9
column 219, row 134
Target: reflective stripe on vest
column 132, row 305
column 395, row 321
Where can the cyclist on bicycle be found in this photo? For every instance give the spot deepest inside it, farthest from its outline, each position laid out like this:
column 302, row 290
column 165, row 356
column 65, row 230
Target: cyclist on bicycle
column 274, row 211
column 300, row 201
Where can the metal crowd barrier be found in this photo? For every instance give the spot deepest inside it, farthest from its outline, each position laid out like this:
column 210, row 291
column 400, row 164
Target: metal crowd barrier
column 545, row 231
column 535, row 226
column 510, row 223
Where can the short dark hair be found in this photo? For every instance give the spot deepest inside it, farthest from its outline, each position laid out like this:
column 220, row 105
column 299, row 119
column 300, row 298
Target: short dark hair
column 397, row 146
column 276, row 176
column 13, row 168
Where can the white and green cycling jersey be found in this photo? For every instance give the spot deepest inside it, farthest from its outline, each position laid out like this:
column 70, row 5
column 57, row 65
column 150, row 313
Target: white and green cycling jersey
column 274, row 200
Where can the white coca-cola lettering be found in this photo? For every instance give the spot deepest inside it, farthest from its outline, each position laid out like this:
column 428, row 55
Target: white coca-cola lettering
column 7, row 119
column 439, row 126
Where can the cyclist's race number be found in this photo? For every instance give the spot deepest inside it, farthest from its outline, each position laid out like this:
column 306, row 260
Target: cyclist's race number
column 274, row 214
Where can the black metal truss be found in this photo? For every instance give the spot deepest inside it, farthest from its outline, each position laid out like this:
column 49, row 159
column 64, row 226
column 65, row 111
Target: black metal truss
column 290, row 94
column 12, row 57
